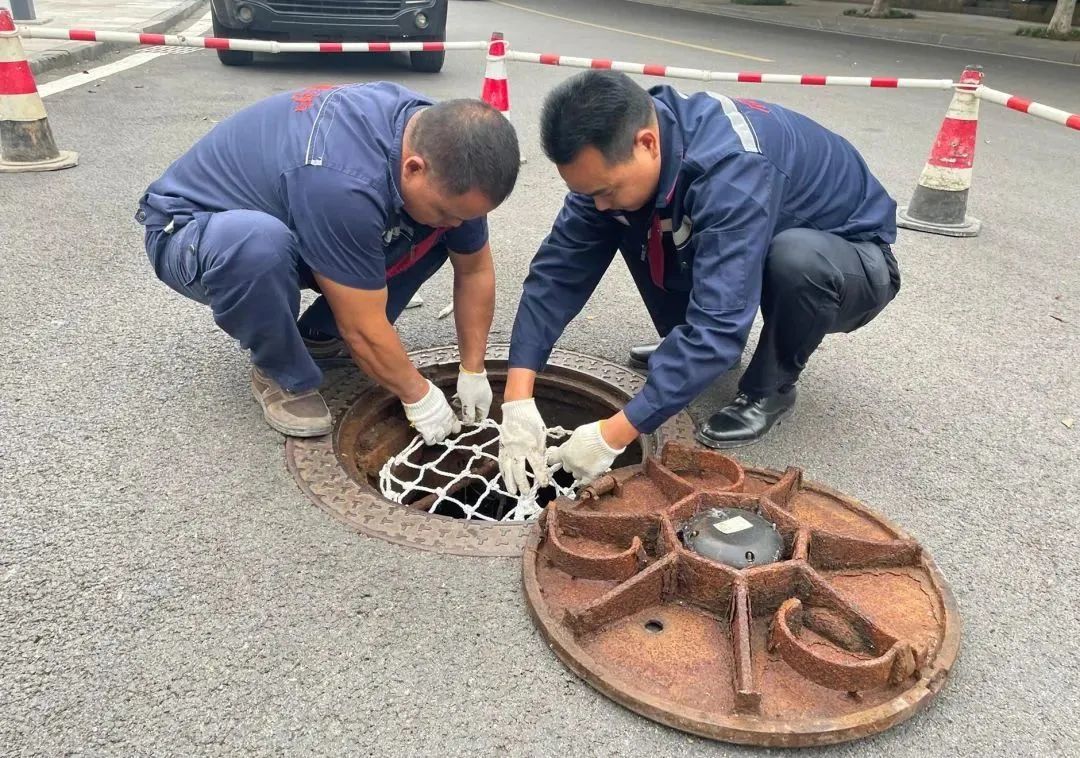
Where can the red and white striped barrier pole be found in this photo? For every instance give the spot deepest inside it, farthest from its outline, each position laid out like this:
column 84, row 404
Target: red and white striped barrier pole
column 1015, row 103
column 26, row 140
column 939, row 205
column 253, row 45
column 496, row 89
column 748, row 77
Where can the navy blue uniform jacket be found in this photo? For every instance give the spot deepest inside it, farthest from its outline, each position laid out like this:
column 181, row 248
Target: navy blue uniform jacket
column 326, row 162
column 734, row 174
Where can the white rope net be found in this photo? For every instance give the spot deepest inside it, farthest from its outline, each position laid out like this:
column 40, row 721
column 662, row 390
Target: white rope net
column 463, row 477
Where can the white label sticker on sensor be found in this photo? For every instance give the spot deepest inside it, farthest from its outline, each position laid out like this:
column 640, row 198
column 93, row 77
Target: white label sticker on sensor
column 733, row 525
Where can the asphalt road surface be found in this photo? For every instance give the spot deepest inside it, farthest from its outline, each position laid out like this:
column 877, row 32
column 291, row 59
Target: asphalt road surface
column 166, row 589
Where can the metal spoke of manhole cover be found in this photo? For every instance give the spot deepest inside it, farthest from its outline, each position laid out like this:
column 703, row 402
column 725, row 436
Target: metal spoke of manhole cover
column 340, row 472
column 741, row 604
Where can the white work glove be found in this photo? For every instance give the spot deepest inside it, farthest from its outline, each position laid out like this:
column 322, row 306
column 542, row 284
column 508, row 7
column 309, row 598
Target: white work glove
column 474, row 392
column 432, row 416
column 585, row 455
column 522, row 438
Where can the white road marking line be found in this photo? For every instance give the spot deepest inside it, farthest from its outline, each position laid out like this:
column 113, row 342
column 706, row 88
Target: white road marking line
column 137, row 59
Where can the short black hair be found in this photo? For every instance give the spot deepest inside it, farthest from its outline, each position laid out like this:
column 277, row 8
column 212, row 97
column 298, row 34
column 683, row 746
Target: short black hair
column 468, row 145
column 604, row 109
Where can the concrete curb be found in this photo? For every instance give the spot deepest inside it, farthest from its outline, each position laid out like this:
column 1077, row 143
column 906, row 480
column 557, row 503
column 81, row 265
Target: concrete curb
column 975, row 43
column 87, row 51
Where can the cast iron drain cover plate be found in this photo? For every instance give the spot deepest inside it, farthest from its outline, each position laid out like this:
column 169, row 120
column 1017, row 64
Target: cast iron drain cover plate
column 849, row 633
column 339, row 472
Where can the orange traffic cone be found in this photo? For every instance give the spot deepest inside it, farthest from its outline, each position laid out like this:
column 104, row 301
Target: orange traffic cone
column 496, row 92
column 26, row 141
column 939, row 205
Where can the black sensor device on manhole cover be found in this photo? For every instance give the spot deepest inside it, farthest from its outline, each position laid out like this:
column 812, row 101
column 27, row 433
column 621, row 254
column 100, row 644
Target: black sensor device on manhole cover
column 734, row 537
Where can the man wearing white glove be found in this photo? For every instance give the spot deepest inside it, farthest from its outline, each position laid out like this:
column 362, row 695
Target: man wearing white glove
column 474, row 391
column 433, row 417
column 586, row 455
column 522, row 439
column 360, row 192
column 590, row 451
column 717, row 206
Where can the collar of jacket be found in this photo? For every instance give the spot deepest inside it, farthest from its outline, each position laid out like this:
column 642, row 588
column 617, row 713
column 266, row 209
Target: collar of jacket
column 393, row 166
column 671, row 154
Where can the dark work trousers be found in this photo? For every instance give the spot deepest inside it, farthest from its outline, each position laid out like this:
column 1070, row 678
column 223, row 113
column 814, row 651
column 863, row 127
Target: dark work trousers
column 246, row 266
column 814, row 283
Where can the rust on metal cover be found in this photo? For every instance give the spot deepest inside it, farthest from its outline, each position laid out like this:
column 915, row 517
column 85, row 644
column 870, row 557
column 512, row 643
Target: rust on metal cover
column 851, row 632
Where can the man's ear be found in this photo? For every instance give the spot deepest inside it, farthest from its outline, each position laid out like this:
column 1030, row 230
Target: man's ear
column 649, row 139
column 414, row 166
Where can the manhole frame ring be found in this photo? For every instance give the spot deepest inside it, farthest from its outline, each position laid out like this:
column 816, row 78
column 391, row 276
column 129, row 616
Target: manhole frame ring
column 314, row 465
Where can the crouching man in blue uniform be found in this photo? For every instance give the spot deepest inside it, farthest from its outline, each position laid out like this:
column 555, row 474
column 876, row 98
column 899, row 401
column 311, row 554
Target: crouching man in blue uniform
column 360, row 192
column 719, row 207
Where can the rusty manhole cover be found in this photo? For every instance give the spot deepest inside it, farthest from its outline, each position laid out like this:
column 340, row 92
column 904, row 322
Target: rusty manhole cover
column 849, row 631
column 339, row 472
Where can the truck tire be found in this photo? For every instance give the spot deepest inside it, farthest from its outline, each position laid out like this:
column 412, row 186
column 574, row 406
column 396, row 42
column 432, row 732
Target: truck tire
column 230, row 57
column 236, row 57
column 427, row 61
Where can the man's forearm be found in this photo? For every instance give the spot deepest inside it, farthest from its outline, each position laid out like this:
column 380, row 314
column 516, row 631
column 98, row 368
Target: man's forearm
column 519, row 384
column 617, row 431
column 474, row 309
column 381, row 356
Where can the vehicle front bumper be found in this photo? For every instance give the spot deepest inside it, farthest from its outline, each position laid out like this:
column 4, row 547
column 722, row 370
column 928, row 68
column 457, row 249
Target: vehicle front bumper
column 362, row 20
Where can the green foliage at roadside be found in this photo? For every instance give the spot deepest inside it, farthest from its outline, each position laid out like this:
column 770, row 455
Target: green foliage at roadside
column 865, row 13
column 1043, row 33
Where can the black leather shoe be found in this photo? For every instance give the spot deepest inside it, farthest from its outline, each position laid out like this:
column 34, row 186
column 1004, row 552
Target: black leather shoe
column 639, row 356
column 745, row 421
column 328, row 349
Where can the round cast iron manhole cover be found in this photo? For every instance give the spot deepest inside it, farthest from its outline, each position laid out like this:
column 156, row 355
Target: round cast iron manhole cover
column 339, row 472
column 850, row 632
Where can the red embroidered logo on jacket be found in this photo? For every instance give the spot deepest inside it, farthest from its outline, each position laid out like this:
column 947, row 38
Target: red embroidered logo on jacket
column 305, row 98
column 753, row 104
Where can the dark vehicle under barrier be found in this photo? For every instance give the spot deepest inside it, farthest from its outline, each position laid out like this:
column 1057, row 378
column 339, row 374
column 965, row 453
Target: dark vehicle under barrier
column 333, row 21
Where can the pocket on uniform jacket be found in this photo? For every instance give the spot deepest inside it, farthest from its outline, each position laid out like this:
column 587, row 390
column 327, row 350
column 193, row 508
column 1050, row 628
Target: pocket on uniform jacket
column 721, row 261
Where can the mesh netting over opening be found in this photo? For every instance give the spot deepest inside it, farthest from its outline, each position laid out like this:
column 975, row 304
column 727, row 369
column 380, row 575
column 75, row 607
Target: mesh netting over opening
column 461, row 478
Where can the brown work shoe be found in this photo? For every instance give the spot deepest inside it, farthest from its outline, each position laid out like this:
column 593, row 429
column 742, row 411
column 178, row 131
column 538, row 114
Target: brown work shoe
column 297, row 414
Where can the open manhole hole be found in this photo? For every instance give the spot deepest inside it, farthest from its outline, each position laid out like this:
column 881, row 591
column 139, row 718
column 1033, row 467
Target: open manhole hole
column 340, row 472
column 743, row 605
